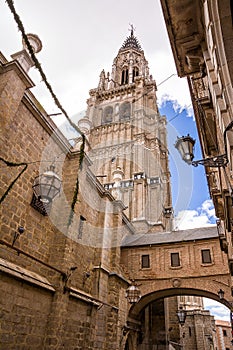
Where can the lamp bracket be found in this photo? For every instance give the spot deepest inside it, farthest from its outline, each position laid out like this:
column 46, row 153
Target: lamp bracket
column 216, row 161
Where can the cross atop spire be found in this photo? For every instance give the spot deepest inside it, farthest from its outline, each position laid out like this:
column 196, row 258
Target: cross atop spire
column 132, row 28
column 131, row 41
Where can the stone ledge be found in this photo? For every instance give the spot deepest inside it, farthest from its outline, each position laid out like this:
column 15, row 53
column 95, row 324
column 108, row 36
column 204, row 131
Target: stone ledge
column 14, row 65
column 25, row 275
column 75, row 293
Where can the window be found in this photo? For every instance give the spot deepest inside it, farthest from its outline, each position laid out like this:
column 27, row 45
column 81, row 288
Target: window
column 128, row 183
column 175, row 259
column 224, row 332
column 108, row 186
column 145, row 261
column 125, row 111
column 124, row 76
column 167, row 211
column 135, row 72
column 190, row 331
column 154, row 180
column 80, row 228
column 107, row 115
column 139, row 176
column 206, row 257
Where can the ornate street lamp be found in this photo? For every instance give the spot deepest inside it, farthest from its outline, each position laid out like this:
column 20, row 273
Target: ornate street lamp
column 47, row 186
column 221, row 294
column 181, row 314
column 185, row 145
column 133, row 294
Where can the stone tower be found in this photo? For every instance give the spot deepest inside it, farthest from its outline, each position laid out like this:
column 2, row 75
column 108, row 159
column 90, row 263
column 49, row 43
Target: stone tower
column 128, row 139
column 128, row 148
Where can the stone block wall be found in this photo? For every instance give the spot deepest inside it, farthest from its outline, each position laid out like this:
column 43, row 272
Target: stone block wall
column 24, row 313
column 198, row 330
column 55, row 278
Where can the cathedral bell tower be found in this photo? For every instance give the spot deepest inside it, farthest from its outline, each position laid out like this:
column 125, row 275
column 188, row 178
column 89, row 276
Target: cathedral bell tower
column 127, row 137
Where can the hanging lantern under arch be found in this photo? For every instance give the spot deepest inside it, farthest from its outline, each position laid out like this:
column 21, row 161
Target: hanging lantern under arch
column 133, row 294
column 181, row 314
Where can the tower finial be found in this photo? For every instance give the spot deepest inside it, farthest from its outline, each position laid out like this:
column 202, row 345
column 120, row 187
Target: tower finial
column 132, row 28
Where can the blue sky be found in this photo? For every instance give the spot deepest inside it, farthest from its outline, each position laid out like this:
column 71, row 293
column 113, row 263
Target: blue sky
column 189, row 185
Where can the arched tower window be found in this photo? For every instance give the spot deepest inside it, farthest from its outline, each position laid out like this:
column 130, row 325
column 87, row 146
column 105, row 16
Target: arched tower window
column 107, row 115
column 135, row 72
column 125, row 111
column 125, row 76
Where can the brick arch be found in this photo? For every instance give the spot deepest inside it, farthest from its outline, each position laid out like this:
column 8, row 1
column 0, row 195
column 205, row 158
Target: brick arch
column 135, row 310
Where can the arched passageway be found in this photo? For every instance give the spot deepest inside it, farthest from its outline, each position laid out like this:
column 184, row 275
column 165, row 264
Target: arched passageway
column 153, row 324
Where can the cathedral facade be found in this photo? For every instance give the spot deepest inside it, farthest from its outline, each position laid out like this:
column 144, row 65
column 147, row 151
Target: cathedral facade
column 128, row 139
column 68, row 262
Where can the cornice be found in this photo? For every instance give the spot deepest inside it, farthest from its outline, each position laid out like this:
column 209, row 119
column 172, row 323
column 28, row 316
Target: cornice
column 45, row 121
column 3, row 59
column 123, row 89
column 15, row 66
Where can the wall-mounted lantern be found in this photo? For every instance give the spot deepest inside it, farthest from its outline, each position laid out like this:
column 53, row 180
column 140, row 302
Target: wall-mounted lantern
column 185, row 146
column 47, row 186
column 181, row 314
column 221, row 294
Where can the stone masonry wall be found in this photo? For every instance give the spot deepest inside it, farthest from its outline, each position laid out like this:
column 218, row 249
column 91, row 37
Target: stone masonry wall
column 61, row 307
column 24, row 313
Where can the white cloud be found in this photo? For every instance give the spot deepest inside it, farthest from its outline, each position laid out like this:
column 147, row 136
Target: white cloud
column 170, row 86
column 218, row 310
column 178, row 106
column 201, row 217
column 208, row 208
column 73, row 63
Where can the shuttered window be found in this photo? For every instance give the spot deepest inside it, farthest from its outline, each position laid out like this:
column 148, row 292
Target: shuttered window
column 175, row 259
column 206, row 256
column 145, row 262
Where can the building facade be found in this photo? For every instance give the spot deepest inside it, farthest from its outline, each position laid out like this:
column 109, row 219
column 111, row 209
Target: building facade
column 224, row 334
column 67, row 263
column 58, row 276
column 201, row 38
column 128, row 139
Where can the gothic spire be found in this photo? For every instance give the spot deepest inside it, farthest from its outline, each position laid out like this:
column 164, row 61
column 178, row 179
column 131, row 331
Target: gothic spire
column 131, row 41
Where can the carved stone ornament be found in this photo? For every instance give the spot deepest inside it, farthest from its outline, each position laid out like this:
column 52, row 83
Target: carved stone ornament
column 176, row 282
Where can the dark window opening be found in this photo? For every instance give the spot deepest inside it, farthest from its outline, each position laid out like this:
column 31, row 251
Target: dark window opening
column 206, row 257
column 125, row 111
column 190, row 331
column 139, row 176
column 80, row 228
column 135, row 73
column 109, row 186
column 224, row 332
column 175, row 259
column 124, row 76
column 107, row 115
column 145, row 261
column 127, row 183
column 154, row 180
